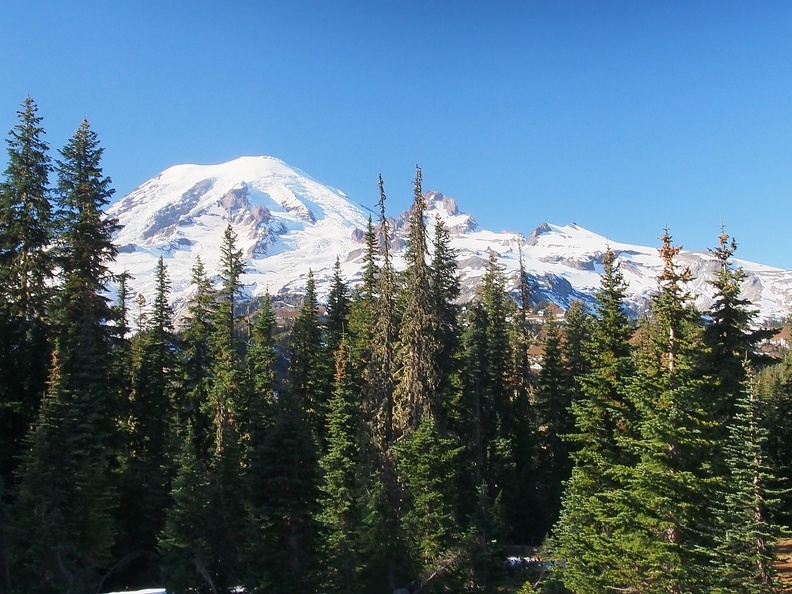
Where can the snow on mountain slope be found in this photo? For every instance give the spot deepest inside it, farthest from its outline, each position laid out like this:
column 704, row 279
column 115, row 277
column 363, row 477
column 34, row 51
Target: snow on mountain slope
column 287, row 223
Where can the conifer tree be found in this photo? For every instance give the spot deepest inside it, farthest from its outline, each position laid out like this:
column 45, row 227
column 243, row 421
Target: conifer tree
column 369, row 280
column 728, row 336
column 342, row 506
column 283, row 485
column 522, row 339
column 207, row 483
column 188, row 562
column 578, row 328
column 478, row 506
column 122, row 305
column 261, row 359
column 673, row 481
column 498, row 308
column 482, row 421
column 472, row 414
column 382, row 540
column 227, row 405
column 445, row 289
column 379, row 374
column 307, row 373
column 523, row 422
column 62, row 526
column 184, row 546
column 552, row 401
column 146, row 469
column 282, row 477
column 227, row 394
column 362, row 309
column 26, row 227
column 591, row 535
column 70, row 516
column 498, row 421
column 123, row 360
column 26, row 269
column 417, row 376
column 428, row 466
column 774, row 389
column 746, row 535
column 337, row 311
column 193, row 398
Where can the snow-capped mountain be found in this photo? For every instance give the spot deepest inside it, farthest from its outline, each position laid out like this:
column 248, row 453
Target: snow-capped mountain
column 287, row 223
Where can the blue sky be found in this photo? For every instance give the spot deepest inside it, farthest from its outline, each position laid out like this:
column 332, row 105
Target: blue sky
column 623, row 117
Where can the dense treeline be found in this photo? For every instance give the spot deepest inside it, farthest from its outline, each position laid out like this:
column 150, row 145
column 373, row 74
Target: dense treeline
column 392, row 439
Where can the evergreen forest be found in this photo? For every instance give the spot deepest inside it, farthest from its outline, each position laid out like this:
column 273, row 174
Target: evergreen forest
column 390, row 440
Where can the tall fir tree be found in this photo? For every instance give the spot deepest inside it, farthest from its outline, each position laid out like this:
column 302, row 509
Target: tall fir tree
column 417, row 375
column 382, row 540
column 26, row 227
column 227, row 405
column 471, row 416
column 362, row 308
column 499, row 424
column 26, row 270
column 578, row 328
column 480, row 421
column 427, row 465
column 145, row 461
column 590, row 533
column 307, row 376
column 523, row 422
column 552, row 411
column 192, row 405
column 185, row 544
column 337, row 311
column 774, row 390
column 445, row 289
column 672, row 484
column 378, row 376
column 342, row 487
column 261, row 363
column 730, row 339
column 207, row 481
column 227, row 394
column 745, row 532
column 282, row 477
column 76, row 422
column 282, row 483
column 523, row 337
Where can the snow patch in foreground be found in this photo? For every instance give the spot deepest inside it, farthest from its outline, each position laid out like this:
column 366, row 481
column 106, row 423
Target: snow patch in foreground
column 146, row 591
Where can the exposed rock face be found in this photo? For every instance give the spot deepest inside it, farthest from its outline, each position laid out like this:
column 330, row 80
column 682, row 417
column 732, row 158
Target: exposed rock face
column 163, row 222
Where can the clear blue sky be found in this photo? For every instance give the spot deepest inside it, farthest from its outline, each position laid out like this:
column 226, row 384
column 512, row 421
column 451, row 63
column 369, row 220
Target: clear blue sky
column 623, row 117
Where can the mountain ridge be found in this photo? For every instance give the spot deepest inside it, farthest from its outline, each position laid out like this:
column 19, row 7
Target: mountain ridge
column 287, row 222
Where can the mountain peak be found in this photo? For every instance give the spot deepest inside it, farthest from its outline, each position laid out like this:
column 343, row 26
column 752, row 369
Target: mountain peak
column 287, row 223
column 444, row 208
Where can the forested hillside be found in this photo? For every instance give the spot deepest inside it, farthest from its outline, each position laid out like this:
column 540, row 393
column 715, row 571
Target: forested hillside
column 390, row 438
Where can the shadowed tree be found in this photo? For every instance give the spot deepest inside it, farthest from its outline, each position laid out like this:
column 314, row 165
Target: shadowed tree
column 67, row 515
column 342, row 488
column 337, row 324
column 26, row 271
column 145, row 463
